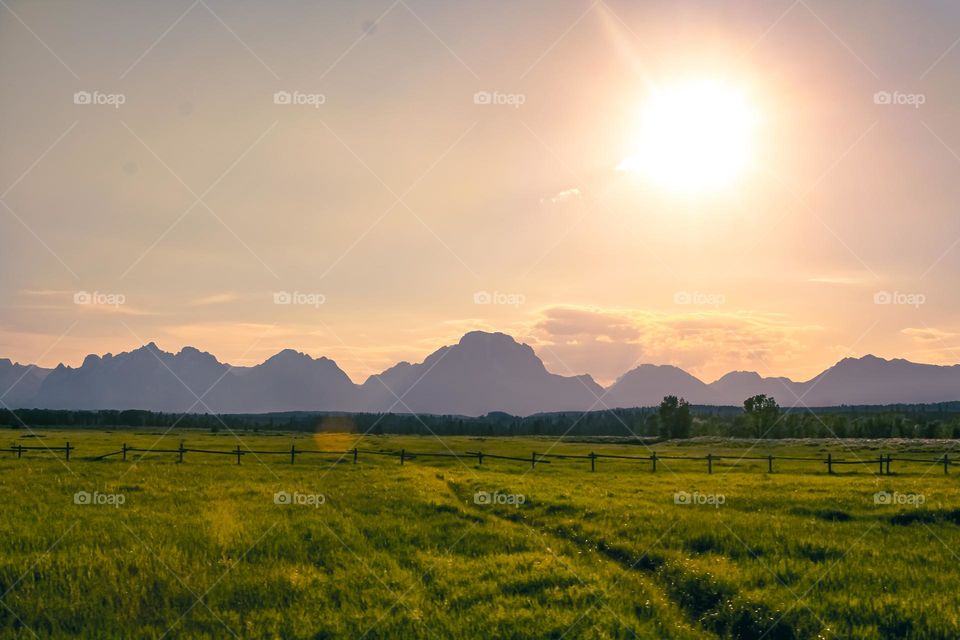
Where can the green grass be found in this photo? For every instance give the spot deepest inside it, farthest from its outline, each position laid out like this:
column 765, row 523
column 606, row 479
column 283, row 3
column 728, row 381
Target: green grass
column 200, row 549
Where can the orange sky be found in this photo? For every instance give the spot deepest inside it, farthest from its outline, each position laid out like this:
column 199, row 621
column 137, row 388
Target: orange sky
column 394, row 209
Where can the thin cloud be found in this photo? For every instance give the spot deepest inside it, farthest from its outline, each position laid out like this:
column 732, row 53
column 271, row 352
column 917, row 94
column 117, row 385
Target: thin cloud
column 217, row 298
column 928, row 334
column 563, row 196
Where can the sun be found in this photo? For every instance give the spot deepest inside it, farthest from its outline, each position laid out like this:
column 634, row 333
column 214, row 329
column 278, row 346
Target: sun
column 694, row 137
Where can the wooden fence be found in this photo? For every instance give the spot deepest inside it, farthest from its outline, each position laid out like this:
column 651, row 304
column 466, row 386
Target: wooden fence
column 19, row 449
column 880, row 464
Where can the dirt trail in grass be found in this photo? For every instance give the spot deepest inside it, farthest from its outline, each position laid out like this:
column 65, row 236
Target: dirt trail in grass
column 717, row 610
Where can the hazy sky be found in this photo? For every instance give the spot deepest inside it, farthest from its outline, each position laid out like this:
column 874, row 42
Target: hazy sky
column 388, row 199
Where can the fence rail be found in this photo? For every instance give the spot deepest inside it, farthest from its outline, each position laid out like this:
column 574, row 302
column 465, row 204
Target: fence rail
column 881, row 464
column 20, row 448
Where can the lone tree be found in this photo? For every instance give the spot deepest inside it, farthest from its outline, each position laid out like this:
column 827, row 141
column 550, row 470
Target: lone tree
column 763, row 411
column 674, row 417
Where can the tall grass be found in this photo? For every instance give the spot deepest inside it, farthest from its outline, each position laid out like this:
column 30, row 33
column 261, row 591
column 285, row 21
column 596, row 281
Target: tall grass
column 202, row 550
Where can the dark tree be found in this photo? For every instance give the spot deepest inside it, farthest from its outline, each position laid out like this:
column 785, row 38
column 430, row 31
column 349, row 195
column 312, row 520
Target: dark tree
column 674, row 417
column 763, row 411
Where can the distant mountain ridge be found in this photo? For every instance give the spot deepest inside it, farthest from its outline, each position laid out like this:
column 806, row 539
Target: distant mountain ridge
column 482, row 373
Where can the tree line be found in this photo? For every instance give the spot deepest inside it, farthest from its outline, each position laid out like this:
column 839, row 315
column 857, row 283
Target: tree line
column 759, row 417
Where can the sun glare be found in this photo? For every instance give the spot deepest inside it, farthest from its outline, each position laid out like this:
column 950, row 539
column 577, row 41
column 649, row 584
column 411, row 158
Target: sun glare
column 694, row 137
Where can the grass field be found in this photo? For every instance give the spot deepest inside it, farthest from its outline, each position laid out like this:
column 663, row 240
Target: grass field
column 380, row 550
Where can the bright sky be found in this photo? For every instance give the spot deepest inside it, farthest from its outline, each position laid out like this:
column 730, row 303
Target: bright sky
column 782, row 167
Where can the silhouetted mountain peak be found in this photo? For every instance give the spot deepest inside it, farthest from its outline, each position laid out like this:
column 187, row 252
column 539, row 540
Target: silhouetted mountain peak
column 288, row 356
column 293, row 360
column 6, row 363
column 149, row 350
column 494, row 348
column 194, row 359
column 487, row 338
column 91, row 360
column 744, row 376
column 482, row 372
column 647, row 384
column 865, row 358
column 872, row 365
column 494, row 341
column 194, row 352
column 667, row 371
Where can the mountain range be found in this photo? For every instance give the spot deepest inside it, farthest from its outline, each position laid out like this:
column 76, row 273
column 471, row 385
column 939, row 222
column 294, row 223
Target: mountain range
column 483, row 372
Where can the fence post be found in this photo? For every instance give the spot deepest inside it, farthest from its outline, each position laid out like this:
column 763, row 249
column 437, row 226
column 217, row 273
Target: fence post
column 354, row 455
column 293, row 452
column 830, row 463
column 881, row 464
column 238, row 454
column 19, row 451
column 479, row 457
column 770, row 464
column 533, row 459
column 403, row 454
column 68, row 451
column 709, row 463
column 593, row 461
column 946, row 463
column 653, row 459
column 889, row 458
column 124, row 451
column 180, row 452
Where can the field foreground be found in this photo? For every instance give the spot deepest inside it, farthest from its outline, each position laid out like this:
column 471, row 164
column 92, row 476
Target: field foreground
column 441, row 548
